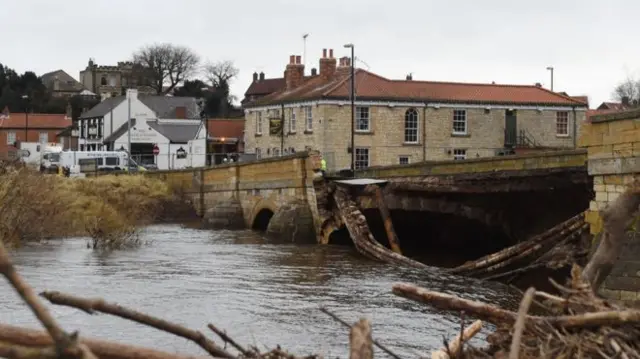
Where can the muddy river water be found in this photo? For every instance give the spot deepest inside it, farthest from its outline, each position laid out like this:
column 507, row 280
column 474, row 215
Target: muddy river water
column 260, row 292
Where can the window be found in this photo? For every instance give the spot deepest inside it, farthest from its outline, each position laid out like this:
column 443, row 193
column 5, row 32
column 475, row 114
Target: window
column 460, row 122
column 258, row 123
column 11, row 138
column 285, row 151
column 111, row 161
column 411, row 126
column 103, row 81
column 562, row 123
column 404, row 160
column 362, row 119
column 459, row 154
column 292, row 150
column 44, row 137
column 276, row 152
column 292, row 121
column 258, row 153
column 362, row 158
column 308, row 118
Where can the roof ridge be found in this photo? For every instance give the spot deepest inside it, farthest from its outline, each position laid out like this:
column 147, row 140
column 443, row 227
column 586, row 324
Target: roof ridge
column 464, row 83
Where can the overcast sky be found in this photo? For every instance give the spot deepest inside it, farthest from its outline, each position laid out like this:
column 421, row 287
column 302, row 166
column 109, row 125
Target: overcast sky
column 589, row 42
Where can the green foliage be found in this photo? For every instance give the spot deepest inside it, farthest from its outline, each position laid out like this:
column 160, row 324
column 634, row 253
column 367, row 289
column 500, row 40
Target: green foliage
column 13, row 88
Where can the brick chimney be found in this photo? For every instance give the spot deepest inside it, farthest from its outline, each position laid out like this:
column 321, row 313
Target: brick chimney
column 314, row 72
column 294, row 72
column 626, row 101
column 261, row 76
column 255, row 77
column 327, row 64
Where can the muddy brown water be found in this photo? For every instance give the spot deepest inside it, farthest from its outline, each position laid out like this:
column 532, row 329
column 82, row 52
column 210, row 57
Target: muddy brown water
column 261, row 292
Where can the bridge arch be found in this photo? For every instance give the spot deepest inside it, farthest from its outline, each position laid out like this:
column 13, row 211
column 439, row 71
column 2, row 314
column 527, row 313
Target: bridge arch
column 262, row 213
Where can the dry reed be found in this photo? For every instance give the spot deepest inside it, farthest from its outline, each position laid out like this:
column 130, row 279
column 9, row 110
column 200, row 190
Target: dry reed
column 108, row 209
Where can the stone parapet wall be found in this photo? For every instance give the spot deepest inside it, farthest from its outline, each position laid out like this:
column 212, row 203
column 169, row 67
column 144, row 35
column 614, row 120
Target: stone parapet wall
column 232, row 195
column 534, row 161
column 613, row 150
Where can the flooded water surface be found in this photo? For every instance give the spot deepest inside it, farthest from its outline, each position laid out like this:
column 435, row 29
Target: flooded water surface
column 260, row 292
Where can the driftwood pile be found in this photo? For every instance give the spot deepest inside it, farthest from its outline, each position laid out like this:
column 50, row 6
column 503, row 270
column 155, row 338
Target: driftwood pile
column 574, row 325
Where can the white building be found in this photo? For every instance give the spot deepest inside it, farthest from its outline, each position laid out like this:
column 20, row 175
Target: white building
column 180, row 143
column 103, row 120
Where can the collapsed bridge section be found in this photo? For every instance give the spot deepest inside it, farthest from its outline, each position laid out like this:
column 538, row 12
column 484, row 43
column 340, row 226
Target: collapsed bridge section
column 453, row 220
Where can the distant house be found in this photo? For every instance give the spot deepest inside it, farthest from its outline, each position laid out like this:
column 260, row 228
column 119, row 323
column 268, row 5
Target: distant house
column 110, row 115
column 61, row 84
column 261, row 87
column 31, row 127
column 226, row 137
column 614, row 106
column 180, row 142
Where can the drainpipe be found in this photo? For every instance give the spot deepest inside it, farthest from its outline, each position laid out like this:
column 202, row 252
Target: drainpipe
column 282, row 130
column 575, row 128
column 424, row 133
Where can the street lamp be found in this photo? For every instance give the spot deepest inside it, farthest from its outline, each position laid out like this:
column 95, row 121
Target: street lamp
column 550, row 68
column 26, row 119
column 353, row 111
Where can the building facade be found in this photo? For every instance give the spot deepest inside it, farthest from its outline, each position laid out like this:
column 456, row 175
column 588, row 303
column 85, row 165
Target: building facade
column 29, row 127
column 404, row 121
column 61, row 84
column 112, row 81
column 113, row 114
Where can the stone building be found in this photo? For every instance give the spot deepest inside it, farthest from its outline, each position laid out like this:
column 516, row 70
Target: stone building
column 404, row 121
column 61, row 84
column 112, row 81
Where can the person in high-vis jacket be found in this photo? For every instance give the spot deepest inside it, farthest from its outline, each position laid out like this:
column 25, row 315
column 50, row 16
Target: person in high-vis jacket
column 323, row 166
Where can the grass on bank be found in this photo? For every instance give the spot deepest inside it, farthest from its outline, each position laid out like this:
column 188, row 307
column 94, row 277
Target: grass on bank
column 109, row 209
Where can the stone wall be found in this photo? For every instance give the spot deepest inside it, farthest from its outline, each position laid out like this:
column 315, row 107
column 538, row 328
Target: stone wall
column 331, row 133
column 613, row 147
column 542, row 160
column 233, row 195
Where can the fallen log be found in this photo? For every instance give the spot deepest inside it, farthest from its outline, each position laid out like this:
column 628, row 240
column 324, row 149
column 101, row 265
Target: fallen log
column 33, row 339
column 497, row 315
column 568, row 233
column 506, row 253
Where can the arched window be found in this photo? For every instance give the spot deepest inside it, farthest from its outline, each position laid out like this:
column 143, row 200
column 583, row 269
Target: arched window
column 103, row 81
column 411, row 126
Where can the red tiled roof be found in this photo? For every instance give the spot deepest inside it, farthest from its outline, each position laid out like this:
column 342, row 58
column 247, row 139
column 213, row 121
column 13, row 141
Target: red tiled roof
column 583, row 99
column 616, row 106
column 36, row 120
column 226, row 128
column 370, row 86
column 266, row 86
column 601, row 112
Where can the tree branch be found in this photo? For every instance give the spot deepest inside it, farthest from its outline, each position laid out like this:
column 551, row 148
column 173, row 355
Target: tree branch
column 64, row 343
column 100, row 305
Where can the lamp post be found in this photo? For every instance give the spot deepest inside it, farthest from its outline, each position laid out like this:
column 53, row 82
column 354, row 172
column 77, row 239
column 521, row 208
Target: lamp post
column 353, row 111
column 550, row 68
column 26, row 118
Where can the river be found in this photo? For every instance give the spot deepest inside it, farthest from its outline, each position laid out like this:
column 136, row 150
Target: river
column 260, row 292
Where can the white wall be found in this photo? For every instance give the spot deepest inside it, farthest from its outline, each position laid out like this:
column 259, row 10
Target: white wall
column 166, row 158
column 139, row 111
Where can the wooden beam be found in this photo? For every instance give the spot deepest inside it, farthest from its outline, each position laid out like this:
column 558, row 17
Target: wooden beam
column 394, row 242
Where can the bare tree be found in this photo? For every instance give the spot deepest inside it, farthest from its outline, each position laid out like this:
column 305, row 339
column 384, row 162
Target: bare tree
column 628, row 91
column 221, row 73
column 167, row 64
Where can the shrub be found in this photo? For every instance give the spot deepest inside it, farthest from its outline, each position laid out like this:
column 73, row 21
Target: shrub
column 109, row 209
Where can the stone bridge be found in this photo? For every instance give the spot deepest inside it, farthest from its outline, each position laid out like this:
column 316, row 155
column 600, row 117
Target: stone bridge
column 274, row 195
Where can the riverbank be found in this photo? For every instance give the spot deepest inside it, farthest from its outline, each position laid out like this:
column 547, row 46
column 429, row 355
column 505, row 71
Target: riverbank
column 108, row 209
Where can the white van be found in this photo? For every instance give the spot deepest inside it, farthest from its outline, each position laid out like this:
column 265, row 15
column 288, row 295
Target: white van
column 105, row 161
